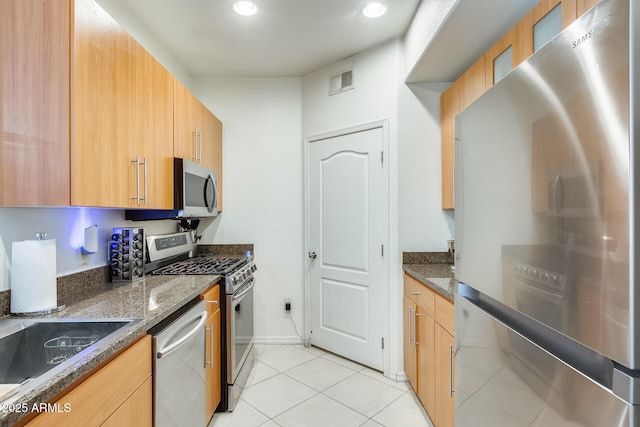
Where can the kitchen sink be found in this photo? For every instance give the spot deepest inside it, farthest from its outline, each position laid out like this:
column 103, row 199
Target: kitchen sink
column 32, row 351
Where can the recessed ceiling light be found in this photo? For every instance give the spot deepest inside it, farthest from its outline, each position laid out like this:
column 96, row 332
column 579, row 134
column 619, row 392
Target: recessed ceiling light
column 245, row 8
column 374, row 9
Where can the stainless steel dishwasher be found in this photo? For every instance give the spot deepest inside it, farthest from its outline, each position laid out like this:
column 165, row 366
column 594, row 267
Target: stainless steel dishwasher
column 179, row 370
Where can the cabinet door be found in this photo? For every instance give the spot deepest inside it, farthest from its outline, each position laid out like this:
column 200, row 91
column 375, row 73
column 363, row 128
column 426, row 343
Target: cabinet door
column 103, row 110
column 543, row 22
column 444, row 348
column 410, row 350
column 210, row 145
column 184, row 122
column 500, row 59
column 212, row 351
column 449, row 108
column 135, row 411
column 34, row 103
column 472, row 83
column 98, row 397
column 154, row 130
column 426, row 362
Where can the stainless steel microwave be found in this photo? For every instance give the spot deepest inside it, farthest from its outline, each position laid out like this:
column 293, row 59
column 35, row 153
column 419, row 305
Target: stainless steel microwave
column 575, row 192
column 195, row 192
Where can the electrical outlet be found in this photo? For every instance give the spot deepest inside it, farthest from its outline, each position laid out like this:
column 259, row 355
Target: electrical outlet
column 287, row 304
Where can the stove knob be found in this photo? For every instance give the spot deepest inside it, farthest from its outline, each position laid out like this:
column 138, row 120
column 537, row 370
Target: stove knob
column 138, row 263
column 115, row 272
column 253, row 267
column 137, row 254
column 137, row 245
column 116, row 237
column 125, row 275
column 138, row 272
column 232, row 280
column 137, row 236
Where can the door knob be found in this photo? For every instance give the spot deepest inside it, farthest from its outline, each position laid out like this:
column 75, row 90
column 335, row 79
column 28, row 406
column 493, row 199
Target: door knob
column 312, row 255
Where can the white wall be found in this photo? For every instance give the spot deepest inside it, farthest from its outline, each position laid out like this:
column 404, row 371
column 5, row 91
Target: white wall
column 262, row 196
column 66, row 225
column 424, row 226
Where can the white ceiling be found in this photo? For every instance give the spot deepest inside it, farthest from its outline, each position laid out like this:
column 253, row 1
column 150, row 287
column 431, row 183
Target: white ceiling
column 287, row 38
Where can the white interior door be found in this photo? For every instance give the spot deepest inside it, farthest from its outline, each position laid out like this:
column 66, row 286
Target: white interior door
column 346, row 236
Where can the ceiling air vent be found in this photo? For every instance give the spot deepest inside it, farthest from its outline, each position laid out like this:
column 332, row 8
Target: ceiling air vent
column 341, row 82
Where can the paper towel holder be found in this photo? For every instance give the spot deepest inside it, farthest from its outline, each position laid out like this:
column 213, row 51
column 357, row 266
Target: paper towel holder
column 90, row 240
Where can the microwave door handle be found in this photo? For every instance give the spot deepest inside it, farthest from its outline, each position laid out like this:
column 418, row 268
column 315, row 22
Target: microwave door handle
column 210, row 204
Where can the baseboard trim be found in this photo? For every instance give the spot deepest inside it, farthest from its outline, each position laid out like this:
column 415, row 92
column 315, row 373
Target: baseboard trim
column 278, row 340
column 398, row 376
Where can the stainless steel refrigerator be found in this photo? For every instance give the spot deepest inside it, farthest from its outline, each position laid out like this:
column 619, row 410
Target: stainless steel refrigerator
column 548, row 303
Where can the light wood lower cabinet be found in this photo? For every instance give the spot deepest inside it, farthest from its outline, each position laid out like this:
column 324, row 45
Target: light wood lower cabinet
column 212, row 351
column 428, row 349
column 444, row 378
column 130, row 413
column 120, row 389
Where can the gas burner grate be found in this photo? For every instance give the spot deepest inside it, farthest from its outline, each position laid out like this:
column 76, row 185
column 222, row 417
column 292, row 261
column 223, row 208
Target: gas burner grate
column 202, row 265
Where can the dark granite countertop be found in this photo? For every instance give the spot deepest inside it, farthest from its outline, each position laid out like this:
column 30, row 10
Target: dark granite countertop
column 438, row 277
column 152, row 300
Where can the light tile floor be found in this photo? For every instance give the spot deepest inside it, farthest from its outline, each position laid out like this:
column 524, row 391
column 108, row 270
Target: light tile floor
column 291, row 385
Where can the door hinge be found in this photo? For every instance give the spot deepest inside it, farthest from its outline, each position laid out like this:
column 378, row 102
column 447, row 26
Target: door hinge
column 383, row 343
column 382, row 157
column 382, row 250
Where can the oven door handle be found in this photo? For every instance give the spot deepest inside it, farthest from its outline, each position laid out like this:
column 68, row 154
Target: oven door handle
column 243, row 293
column 179, row 343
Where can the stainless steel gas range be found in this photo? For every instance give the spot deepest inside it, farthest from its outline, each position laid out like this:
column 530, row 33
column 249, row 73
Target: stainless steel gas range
column 176, row 254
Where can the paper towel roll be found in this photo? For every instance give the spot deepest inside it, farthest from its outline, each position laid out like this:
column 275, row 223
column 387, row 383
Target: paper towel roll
column 33, row 276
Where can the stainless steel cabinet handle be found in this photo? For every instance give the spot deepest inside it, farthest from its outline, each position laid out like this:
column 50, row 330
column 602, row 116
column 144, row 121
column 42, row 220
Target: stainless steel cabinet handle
column 312, row 255
column 179, row 343
column 415, row 327
column 208, row 362
column 144, row 163
column 451, row 371
column 199, row 147
column 137, row 196
column 212, row 346
column 213, row 301
column 416, row 293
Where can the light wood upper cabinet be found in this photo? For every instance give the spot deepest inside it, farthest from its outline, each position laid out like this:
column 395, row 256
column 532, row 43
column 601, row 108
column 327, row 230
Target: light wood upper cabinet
column 121, row 140
column 501, row 58
column 154, row 130
column 184, row 122
column 534, row 23
column 584, row 5
column 34, row 103
column 472, row 83
column 197, row 133
column 449, row 108
column 103, row 95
